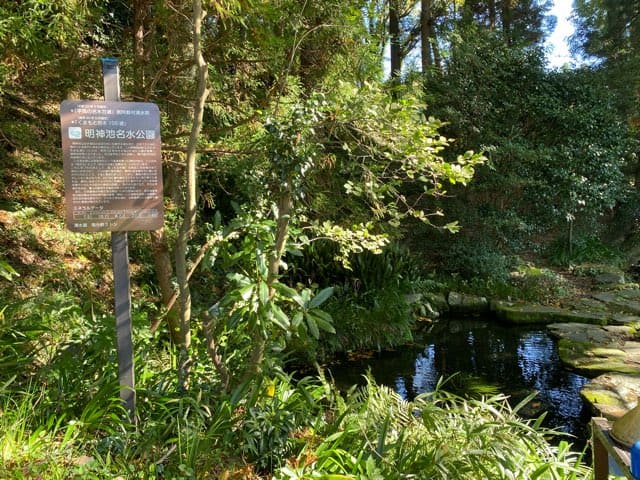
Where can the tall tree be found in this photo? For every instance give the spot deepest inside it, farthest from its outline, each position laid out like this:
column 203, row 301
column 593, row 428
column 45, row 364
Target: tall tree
column 609, row 32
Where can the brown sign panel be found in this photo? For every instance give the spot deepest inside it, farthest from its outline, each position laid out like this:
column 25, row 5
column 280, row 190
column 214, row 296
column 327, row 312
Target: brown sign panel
column 112, row 165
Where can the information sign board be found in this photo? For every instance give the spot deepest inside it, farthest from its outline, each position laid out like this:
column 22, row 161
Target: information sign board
column 112, row 165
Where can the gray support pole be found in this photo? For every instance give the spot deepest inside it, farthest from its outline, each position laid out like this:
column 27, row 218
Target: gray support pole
column 120, row 259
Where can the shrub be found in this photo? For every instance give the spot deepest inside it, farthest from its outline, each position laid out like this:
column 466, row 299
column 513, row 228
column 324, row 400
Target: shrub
column 436, row 436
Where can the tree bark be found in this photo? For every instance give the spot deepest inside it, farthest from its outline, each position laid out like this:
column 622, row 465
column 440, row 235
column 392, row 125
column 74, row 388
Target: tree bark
column 285, row 207
column 394, row 41
column 159, row 244
column 507, row 17
column 189, row 220
column 140, row 13
column 426, row 34
column 492, row 14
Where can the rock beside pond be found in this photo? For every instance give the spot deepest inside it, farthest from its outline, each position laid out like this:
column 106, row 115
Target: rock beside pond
column 427, row 306
column 624, row 301
column 467, row 304
column 593, row 350
column 437, row 301
column 610, row 278
column 542, row 314
column 611, row 395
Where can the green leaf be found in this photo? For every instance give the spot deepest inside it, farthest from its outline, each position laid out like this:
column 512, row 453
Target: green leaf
column 246, row 292
column 320, row 298
column 323, row 320
column 280, row 318
column 297, row 320
column 313, row 326
column 288, row 292
column 7, row 271
column 263, row 293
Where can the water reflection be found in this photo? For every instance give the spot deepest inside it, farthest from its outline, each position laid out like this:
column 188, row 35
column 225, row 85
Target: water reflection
column 515, row 360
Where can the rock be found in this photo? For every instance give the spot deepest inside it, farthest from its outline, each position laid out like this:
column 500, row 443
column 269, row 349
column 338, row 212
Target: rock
column 629, row 293
column 612, row 278
column 616, row 302
column 522, row 313
column 412, row 298
column 623, row 319
column 437, row 301
column 426, row 307
column 611, row 395
column 579, row 332
column 592, row 350
column 467, row 304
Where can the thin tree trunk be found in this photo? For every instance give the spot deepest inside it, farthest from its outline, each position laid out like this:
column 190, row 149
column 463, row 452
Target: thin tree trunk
column 285, row 207
column 189, row 220
column 394, row 40
column 426, row 34
column 507, row 15
column 437, row 58
column 492, row 14
column 164, row 274
column 140, row 11
column 158, row 239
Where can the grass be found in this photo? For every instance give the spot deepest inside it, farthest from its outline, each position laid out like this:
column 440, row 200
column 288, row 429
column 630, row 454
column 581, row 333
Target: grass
column 276, row 428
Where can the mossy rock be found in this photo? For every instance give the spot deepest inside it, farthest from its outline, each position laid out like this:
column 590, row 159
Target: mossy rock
column 620, row 302
column 611, row 395
column 438, row 301
column 592, row 359
column 540, row 314
column 467, row 304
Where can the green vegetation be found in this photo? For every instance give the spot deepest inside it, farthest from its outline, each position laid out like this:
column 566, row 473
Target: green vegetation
column 307, row 198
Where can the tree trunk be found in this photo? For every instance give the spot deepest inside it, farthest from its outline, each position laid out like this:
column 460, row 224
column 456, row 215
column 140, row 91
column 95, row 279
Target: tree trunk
column 164, row 275
column 394, row 42
column 140, row 12
column 159, row 244
column 507, row 16
column 492, row 14
column 426, row 34
column 189, row 220
column 285, row 207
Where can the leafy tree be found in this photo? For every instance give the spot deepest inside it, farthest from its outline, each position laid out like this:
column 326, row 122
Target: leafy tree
column 608, row 32
column 556, row 146
column 263, row 116
column 42, row 40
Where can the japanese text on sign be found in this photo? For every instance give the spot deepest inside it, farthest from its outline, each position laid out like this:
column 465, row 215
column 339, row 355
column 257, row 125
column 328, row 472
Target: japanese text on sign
column 112, row 165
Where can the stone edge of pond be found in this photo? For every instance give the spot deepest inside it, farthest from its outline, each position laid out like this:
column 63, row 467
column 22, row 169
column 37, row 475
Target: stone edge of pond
column 596, row 338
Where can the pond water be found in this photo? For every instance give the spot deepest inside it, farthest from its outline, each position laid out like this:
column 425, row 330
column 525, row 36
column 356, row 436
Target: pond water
column 514, row 360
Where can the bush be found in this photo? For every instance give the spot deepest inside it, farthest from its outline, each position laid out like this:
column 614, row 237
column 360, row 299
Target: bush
column 437, row 436
column 583, row 249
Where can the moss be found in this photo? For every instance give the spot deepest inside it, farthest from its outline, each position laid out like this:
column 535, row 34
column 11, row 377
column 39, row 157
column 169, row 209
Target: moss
column 602, row 397
column 543, row 314
column 592, row 360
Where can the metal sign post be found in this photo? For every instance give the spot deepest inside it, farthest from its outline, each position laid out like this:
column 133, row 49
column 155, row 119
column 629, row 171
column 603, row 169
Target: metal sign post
column 112, row 163
column 120, row 259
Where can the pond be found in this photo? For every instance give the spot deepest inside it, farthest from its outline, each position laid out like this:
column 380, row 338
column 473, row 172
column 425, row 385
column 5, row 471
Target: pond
column 514, row 360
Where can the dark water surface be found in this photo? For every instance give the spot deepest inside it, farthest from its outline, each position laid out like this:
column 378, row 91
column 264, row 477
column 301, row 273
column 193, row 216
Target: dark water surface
column 515, row 360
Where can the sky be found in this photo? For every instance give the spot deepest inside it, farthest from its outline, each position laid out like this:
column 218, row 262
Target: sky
column 557, row 41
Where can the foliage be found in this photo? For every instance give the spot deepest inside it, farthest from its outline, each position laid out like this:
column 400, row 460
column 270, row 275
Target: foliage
column 368, row 308
column 438, row 435
column 584, row 249
column 296, row 117
column 557, row 148
column 376, row 319
column 43, row 34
